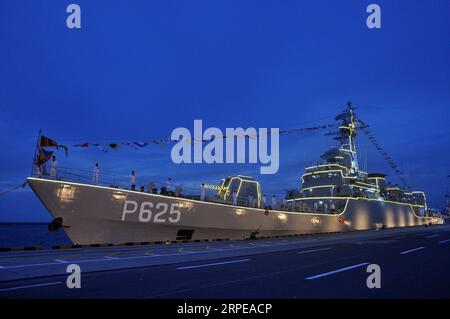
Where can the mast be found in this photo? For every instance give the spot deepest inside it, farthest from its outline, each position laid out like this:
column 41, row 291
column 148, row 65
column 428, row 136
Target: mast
column 347, row 135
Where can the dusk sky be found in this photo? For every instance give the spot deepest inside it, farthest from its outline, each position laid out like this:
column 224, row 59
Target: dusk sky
column 136, row 70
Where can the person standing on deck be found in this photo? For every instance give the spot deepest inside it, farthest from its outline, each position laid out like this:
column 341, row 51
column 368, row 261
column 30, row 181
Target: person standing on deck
column 53, row 167
column 274, row 202
column 234, row 198
column 202, row 192
column 283, row 205
column 264, row 201
column 95, row 174
column 250, row 200
column 169, row 185
column 332, row 208
column 133, row 180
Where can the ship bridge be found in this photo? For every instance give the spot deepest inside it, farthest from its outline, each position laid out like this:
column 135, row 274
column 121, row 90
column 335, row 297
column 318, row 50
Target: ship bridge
column 244, row 186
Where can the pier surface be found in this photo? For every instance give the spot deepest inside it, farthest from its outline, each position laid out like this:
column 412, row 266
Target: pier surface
column 414, row 263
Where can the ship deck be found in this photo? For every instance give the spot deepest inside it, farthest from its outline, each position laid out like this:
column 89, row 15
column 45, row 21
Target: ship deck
column 414, row 263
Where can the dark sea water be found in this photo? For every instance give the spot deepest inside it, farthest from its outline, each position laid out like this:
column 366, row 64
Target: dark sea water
column 30, row 234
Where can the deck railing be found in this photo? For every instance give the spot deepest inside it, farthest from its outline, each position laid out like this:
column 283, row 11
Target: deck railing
column 109, row 179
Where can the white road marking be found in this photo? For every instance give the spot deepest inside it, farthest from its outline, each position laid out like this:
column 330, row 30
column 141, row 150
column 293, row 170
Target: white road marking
column 313, row 250
column 31, row 286
column 399, row 237
column 336, row 271
column 61, row 261
column 214, row 264
column 32, row 265
column 136, row 257
column 411, row 250
column 144, row 256
column 111, row 257
column 444, row 241
column 123, row 258
column 432, row 236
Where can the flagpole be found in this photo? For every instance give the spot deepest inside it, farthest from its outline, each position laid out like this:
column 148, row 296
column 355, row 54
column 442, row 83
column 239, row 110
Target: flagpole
column 35, row 151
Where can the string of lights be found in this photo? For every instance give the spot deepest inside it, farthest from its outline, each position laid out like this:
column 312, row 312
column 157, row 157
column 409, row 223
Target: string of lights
column 384, row 154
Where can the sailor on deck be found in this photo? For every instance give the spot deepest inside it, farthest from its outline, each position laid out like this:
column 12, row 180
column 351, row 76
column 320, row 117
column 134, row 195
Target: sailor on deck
column 284, row 203
column 202, row 192
column 234, row 198
column 264, row 201
column 95, row 173
column 332, row 208
column 53, row 167
column 169, row 185
column 133, row 180
column 274, row 202
column 250, row 200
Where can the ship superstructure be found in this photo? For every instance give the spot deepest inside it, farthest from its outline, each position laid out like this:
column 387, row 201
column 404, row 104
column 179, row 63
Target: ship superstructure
column 325, row 185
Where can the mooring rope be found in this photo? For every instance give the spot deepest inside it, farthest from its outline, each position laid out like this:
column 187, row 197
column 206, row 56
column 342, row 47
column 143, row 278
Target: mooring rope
column 13, row 188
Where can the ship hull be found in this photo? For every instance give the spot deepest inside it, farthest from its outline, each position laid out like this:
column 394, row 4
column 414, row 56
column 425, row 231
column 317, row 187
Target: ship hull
column 96, row 214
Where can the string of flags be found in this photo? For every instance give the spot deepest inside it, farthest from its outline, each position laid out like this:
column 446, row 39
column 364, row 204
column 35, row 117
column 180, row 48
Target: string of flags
column 383, row 153
column 137, row 145
column 307, row 129
column 115, row 146
column 44, row 142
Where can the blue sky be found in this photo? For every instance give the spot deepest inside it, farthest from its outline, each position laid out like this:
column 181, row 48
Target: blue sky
column 138, row 69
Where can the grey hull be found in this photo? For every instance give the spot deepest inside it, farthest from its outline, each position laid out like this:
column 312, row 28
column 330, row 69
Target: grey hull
column 96, row 214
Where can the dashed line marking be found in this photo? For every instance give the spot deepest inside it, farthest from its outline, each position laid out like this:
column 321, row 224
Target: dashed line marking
column 31, row 265
column 61, row 261
column 432, row 236
column 111, row 257
column 214, row 264
column 411, row 250
column 313, row 250
column 31, row 286
column 336, row 271
column 216, row 249
column 444, row 241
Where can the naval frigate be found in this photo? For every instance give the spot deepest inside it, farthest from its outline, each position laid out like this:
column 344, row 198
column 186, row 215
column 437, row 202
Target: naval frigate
column 335, row 196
